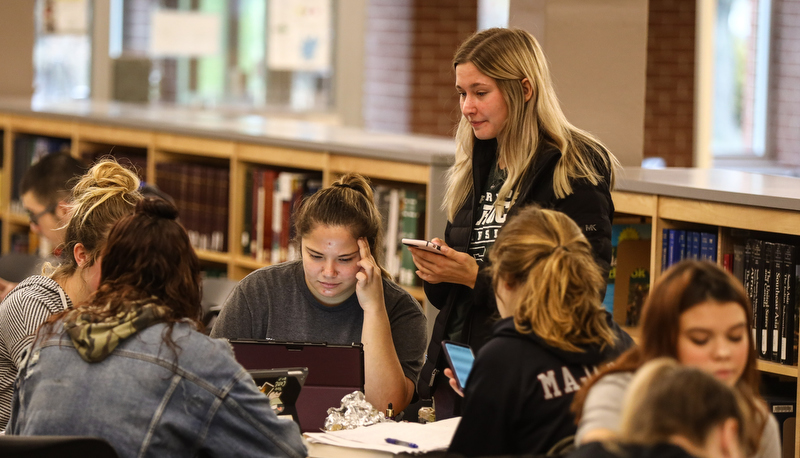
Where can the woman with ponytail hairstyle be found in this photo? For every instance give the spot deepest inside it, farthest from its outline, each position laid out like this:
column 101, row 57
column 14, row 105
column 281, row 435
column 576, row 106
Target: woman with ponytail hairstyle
column 337, row 293
column 552, row 335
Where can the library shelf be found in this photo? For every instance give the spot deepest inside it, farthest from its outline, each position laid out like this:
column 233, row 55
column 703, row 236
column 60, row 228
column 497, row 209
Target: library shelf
column 732, row 204
column 775, row 368
column 162, row 134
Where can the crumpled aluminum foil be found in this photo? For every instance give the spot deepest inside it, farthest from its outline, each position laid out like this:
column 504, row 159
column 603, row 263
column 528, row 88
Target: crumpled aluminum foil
column 355, row 411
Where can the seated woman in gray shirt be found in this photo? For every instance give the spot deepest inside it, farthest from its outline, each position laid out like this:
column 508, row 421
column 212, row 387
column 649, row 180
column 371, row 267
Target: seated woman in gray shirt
column 337, row 293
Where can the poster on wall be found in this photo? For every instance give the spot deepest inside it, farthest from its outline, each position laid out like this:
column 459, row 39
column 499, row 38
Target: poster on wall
column 184, row 33
column 299, row 35
column 66, row 17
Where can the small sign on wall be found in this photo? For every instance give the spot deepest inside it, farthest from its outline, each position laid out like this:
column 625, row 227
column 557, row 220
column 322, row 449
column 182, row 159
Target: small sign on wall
column 299, row 35
column 67, row 17
column 184, row 33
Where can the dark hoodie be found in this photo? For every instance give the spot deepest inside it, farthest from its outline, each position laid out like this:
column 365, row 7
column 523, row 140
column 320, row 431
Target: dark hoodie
column 518, row 396
column 599, row 450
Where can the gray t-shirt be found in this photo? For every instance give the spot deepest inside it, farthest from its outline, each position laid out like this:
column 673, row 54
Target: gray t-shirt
column 275, row 303
column 603, row 409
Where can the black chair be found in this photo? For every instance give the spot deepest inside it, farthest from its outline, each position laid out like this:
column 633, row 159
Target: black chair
column 16, row 267
column 215, row 292
column 55, row 447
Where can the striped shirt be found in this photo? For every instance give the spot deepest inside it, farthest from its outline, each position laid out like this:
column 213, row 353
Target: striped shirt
column 25, row 308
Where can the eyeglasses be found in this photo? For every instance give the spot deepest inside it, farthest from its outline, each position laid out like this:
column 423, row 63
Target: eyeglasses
column 34, row 217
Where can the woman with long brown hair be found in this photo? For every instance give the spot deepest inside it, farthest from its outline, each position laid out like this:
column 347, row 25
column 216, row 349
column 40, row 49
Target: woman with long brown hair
column 698, row 314
column 675, row 411
column 131, row 366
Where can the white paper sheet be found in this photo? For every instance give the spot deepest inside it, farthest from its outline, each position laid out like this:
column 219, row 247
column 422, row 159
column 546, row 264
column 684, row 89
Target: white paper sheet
column 428, row 437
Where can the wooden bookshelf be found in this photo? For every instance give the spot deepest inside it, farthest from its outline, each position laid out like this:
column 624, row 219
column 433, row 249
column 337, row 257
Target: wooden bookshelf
column 169, row 134
column 720, row 199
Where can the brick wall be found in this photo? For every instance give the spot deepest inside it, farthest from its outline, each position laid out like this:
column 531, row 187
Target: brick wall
column 439, row 28
column 784, row 117
column 388, row 65
column 669, row 99
column 408, row 81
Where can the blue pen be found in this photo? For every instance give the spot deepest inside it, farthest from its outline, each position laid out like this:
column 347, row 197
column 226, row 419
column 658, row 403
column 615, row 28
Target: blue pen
column 399, row 442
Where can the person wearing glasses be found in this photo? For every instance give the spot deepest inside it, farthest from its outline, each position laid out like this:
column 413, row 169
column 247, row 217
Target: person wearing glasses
column 45, row 189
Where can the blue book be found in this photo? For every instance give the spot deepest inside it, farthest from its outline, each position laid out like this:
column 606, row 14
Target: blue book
column 682, row 243
column 693, row 243
column 664, row 249
column 677, row 246
column 708, row 246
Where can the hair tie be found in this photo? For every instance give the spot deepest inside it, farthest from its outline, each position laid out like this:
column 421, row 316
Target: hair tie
column 561, row 247
column 342, row 185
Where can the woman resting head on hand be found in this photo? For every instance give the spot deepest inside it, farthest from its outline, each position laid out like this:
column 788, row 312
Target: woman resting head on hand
column 337, row 293
column 698, row 314
column 156, row 385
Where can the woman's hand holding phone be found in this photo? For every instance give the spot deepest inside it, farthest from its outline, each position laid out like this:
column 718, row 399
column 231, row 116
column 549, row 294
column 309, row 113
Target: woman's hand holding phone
column 453, row 382
column 448, row 265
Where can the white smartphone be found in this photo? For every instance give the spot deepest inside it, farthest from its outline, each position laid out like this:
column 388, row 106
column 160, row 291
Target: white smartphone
column 423, row 245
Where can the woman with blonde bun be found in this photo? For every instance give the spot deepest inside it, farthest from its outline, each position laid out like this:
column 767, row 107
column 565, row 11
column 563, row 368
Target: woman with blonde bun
column 106, row 193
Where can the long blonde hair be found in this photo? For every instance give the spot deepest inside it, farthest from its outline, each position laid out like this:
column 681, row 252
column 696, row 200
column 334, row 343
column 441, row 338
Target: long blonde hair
column 103, row 196
column 509, row 56
column 544, row 253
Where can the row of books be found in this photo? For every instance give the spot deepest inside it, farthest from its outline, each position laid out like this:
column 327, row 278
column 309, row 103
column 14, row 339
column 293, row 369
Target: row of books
column 402, row 211
column 201, row 196
column 770, row 274
column 28, row 149
column 270, row 197
column 679, row 244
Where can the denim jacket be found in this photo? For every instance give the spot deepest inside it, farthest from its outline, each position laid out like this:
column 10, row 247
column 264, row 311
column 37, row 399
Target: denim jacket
column 148, row 403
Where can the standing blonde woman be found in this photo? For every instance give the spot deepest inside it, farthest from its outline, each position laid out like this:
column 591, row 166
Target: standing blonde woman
column 552, row 337
column 514, row 146
column 104, row 195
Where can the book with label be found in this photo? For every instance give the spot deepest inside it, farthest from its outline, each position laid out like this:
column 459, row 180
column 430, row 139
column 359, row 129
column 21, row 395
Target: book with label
column 765, row 303
column 788, row 304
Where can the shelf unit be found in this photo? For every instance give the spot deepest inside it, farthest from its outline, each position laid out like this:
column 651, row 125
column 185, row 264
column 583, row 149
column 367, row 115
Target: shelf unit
column 166, row 134
column 715, row 200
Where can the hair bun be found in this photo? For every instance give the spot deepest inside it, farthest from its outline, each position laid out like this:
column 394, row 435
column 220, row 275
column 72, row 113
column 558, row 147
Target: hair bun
column 158, row 207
